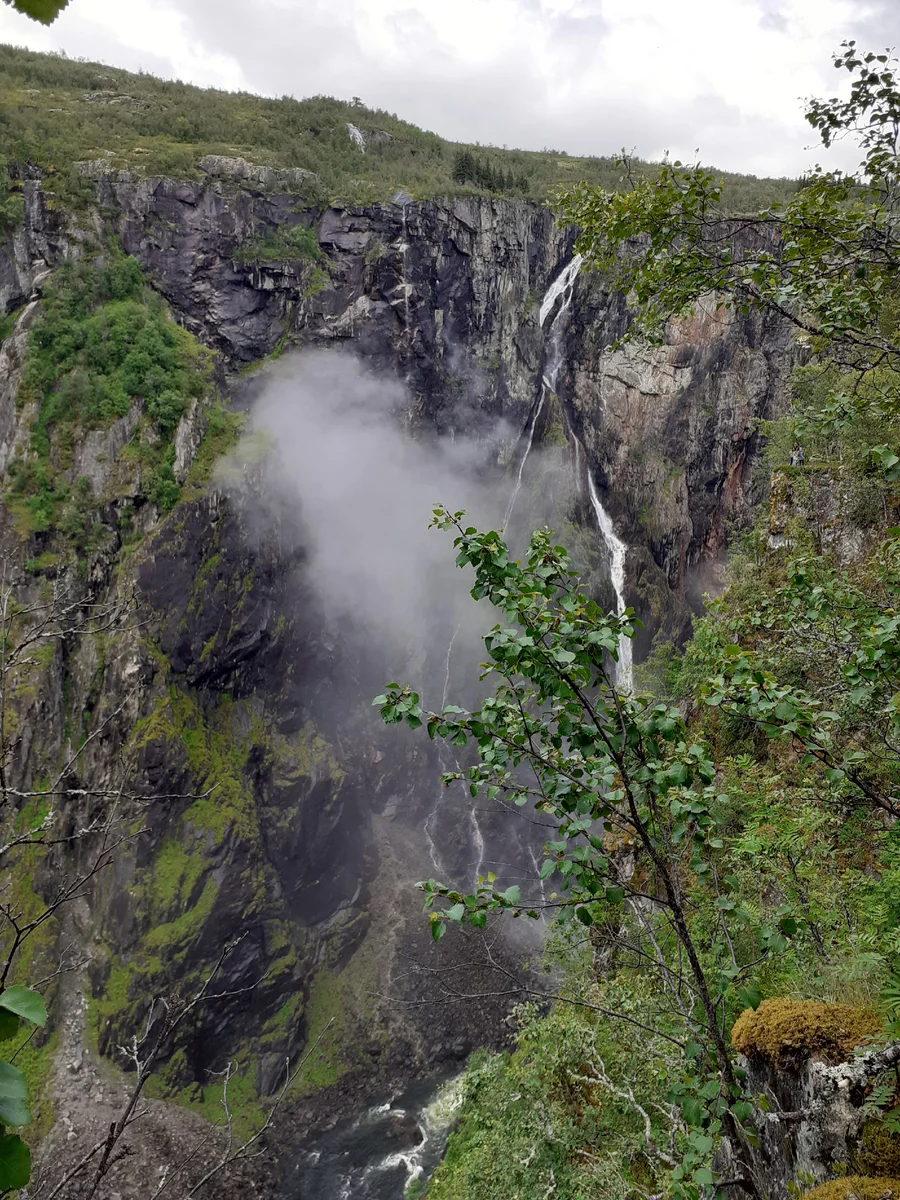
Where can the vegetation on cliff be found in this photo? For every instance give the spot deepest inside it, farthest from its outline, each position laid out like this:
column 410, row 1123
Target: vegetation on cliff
column 103, row 348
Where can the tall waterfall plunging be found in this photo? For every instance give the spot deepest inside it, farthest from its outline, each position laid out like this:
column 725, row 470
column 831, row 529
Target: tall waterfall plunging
column 617, row 551
column 563, row 285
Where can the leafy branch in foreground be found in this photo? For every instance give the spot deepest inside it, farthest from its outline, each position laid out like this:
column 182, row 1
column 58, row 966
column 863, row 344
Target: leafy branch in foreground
column 638, row 813
column 45, row 11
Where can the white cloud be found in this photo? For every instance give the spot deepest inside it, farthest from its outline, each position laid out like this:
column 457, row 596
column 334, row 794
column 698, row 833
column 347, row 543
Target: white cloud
column 588, row 76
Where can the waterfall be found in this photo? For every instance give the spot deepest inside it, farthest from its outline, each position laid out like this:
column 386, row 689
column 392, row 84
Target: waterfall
column 564, row 282
column 356, row 136
column 563, row 285
column 617, row 551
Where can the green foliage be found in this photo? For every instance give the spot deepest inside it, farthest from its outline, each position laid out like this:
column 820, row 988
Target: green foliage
column 609, row 770
column 12, row 207
column 45, row 11
column 467, row 168
column 102, row 345
column 58, row 111
column 18, row 1003
column 103, row 340
column 284, row 244
column 564, row 1107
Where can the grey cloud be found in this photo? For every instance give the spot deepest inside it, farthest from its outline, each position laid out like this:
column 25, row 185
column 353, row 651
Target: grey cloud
column 879, row 26
column 774, row 21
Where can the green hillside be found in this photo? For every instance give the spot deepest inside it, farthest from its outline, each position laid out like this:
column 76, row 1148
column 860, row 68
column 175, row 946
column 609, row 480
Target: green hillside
column 55, row 111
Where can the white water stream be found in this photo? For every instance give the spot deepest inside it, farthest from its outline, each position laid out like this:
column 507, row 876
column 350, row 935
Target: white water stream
column 564, row 286
column 356, row 137
column 617, row 551
column 353, row 1161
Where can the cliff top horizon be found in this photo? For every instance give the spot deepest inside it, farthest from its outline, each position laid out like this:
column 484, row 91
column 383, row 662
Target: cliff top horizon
column 60, row 111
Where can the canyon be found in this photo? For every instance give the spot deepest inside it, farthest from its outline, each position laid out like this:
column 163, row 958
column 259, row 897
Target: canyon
column 433, row 351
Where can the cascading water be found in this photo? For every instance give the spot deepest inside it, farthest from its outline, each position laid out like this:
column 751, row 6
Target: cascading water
column 563, row 285
column 356, row 136
column 617, row 552
column 353, row 1161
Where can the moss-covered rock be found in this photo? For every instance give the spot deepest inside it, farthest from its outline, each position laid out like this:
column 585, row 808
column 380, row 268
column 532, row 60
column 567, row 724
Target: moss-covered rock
column 861, row 1187
column 878, row 1151
column 781, row 1029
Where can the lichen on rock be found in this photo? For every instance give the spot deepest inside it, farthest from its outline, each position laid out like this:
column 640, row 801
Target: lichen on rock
column 781, row 1029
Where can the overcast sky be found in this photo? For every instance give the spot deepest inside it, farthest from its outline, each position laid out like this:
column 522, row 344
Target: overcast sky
column 726, row 77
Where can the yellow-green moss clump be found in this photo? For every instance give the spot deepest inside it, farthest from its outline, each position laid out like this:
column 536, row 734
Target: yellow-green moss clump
column 878, row 1152
column 861, row 1186
column 781, row 1029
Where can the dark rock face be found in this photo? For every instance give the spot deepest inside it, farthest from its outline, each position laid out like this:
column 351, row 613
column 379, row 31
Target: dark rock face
column 309, row 817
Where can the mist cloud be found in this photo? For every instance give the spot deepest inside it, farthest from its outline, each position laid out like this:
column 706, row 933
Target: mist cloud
column 358, row 489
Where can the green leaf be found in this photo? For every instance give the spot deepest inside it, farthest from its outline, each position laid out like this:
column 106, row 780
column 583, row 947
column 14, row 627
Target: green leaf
column 749, row 995
column 512, row 895
column 24, row 1002
column 13, row 1085
column 693, row 1111
column 456, row 913
column 9, row 1025
column 704, row 1177
column 14, row 1112
column 15, row 1162
column 45, row 11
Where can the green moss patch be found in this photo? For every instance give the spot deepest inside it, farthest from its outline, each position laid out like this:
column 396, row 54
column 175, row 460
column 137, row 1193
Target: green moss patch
column 859, row 1186
column 781, row 1029
column 878, row 1152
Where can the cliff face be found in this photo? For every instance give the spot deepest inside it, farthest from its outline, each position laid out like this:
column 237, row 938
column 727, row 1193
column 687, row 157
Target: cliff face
column 274, row 811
